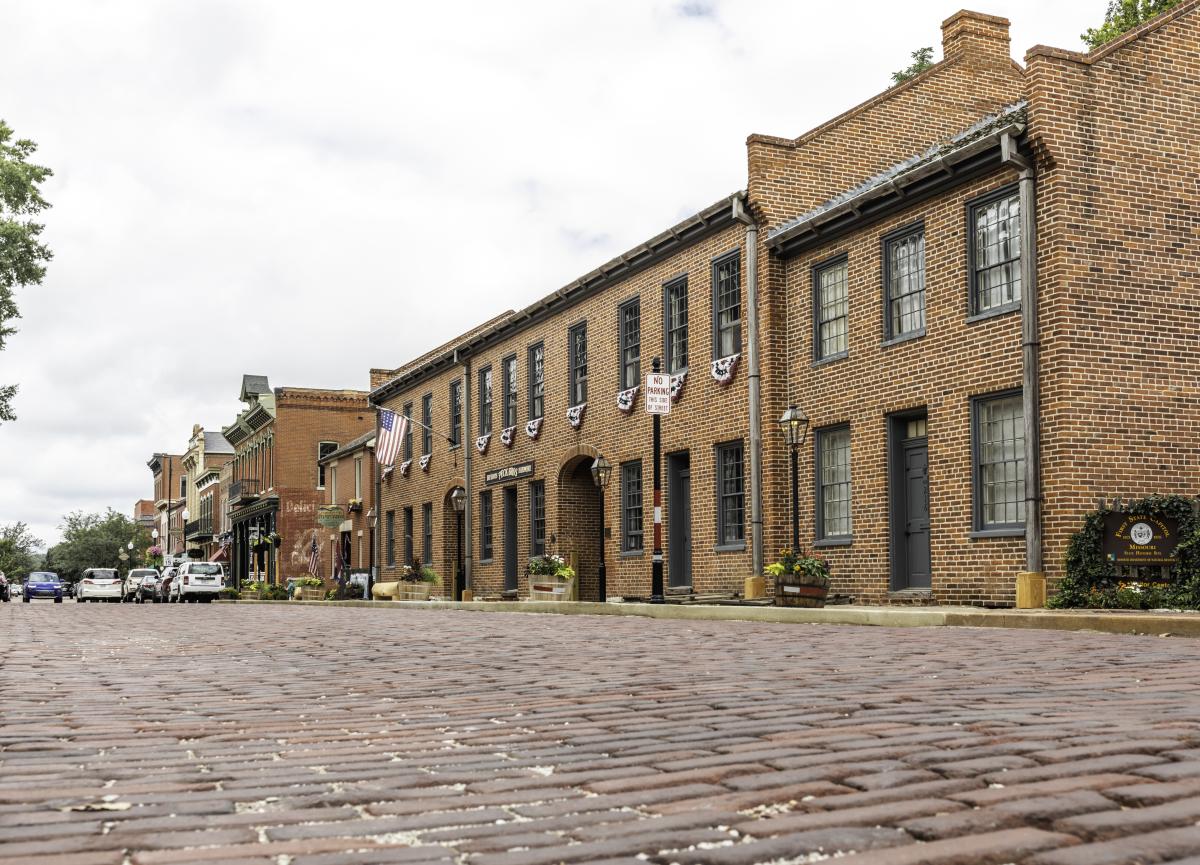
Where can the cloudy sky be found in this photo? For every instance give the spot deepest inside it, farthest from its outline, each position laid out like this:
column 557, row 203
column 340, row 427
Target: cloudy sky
column 307, row 190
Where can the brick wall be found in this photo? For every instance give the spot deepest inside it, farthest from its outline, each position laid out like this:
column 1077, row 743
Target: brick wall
column 1117, row 135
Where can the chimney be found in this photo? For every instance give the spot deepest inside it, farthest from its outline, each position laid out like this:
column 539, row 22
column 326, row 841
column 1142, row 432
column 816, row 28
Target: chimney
column 967, row 32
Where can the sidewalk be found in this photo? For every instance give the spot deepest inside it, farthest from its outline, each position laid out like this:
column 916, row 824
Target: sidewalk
column 1159, row 623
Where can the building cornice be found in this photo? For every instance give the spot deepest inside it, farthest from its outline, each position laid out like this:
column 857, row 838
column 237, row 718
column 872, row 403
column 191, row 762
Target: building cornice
column 714, row 218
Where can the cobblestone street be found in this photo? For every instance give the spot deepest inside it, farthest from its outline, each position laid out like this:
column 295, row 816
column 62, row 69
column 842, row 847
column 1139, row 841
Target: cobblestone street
column 269, row 734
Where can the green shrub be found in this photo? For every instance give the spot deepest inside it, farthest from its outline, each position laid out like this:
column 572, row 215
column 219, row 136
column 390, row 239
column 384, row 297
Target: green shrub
column 1091, row 580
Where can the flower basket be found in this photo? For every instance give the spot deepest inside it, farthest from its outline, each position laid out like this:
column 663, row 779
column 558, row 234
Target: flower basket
column 801, row 590
column 552, row 579
column 413, row 591
column 801, row 580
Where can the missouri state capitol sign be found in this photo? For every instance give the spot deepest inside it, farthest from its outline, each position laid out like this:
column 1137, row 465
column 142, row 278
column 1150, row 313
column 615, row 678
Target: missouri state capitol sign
column 1140, row 539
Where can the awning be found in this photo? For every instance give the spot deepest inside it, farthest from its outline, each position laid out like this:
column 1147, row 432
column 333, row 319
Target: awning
column 219, row 554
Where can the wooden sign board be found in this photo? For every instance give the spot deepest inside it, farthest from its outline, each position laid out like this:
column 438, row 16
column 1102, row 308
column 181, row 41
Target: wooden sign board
column 1140, row 539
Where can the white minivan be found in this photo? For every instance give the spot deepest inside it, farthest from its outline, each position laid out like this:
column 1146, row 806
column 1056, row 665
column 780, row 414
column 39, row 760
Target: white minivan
column 99, row 584
column 197, row 581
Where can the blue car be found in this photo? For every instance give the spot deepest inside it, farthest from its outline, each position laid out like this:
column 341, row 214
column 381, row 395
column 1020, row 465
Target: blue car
column 43, row 584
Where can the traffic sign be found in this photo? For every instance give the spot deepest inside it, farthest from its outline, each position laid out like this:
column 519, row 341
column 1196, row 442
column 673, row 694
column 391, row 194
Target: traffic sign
column 658, row 393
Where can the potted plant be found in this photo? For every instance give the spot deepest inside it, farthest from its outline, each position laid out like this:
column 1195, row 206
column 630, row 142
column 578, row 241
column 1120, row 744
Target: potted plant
column 309, row 589
column 354, row 505
column 801, row 580
column 416, row 582
column 551, row 579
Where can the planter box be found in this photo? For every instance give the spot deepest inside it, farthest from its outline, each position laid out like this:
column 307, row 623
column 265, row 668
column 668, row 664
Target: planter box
column 413, row 591
column 543, row 588
column 385, row 591
column 311, row 593
column 800, row 590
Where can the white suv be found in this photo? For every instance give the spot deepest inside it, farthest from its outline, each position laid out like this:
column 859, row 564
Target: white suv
column 99, row 584
column 132, row 589
column 197, row 581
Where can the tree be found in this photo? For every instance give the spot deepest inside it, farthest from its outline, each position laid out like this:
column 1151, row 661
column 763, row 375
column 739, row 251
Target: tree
column 22, row 254
column 18, row 551
column 1122, row 16
column 922, row 60
column 96, row 541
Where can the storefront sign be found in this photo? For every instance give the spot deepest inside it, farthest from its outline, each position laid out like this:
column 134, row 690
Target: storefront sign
column 330, row 516
column 1140, row 539
column 511, row 473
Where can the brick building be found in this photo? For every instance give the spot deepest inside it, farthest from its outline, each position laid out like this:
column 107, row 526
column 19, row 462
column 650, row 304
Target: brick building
column 350, row 485
column 276, row 482
column 145, row 515
column 207, row 452
column 170, row 492
column 1023, row 293
column 980, row 286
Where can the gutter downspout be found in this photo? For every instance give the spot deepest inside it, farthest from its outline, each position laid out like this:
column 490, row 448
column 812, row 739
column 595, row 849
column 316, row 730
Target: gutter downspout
column 376, row 572
column 1031, row 584
column 468, row 446
column 755, row 384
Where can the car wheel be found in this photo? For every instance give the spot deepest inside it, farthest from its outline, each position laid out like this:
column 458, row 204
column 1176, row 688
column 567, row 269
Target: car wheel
column 58, row 600
column 26, row 599
column 78, row 599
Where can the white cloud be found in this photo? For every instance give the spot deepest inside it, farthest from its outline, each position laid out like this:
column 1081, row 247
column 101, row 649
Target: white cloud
column 234, row 182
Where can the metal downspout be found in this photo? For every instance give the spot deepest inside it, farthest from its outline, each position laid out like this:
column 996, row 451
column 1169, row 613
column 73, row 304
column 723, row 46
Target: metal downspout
column 468, row 446
column 1031, row 354
column 755, row 384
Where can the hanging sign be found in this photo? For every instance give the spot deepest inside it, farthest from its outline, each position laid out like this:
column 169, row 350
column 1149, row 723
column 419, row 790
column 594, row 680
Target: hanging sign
column 510, row 473
column 658, row 393
column 1140, row 539
column 330, row 516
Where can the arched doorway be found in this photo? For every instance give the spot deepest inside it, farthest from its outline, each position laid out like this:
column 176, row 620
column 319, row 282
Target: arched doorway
column 579, row 521
column 453, row 544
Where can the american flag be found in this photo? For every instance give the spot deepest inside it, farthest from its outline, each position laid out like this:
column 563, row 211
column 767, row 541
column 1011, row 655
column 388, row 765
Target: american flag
column 337, row 562
column 392, row 428
column 314, row 558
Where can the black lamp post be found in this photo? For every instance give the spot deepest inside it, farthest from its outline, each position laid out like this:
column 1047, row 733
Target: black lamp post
column 794, row 424
column 601, row 472
column 458, row 499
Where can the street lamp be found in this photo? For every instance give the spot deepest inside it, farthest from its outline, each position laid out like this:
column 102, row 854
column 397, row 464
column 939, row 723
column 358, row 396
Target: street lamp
column 794, row 424
column 183, row 531
column 458, row 498
column 601, row 472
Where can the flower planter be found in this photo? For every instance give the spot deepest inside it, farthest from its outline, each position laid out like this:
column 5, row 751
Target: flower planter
column 413, row 591
column 801, row 590
column 385, row 591
column 549, row 588
column 310, row 593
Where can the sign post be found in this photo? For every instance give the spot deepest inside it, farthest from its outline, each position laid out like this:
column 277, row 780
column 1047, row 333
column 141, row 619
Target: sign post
column 658, row 403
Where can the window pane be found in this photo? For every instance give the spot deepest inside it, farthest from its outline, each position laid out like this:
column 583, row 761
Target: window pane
column 631, row 506
column 485, row 401
column 833, row 309
column 510, row 392
column 731, row 507
column 579, row 372
column 631, row 344
column 677, row 327
column 906, row 284
column 728, row 306
column 834, row 469
column 1001, row 437
column 537, row 514
column 537, row 381
column 997, row 249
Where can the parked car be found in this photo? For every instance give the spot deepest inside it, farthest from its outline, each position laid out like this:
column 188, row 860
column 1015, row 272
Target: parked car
column 5, row 591
column 42, row 584
column 165, row 578
column 68, row 589
column 98, row 584
column 131, row 589
column 198, row 581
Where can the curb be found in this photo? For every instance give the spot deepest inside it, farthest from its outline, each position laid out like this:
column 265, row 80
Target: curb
column 1174, row 624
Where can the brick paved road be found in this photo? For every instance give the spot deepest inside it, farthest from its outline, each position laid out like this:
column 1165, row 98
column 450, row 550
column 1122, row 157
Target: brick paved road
column 261, row 735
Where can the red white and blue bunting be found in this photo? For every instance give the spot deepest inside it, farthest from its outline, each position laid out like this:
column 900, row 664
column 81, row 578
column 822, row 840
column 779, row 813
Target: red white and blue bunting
column 575, row 414
column 506, row 436
column 425, row 462
column 677, row 381
column 723, row 368
column 627, row 399
column 534, row 427
column 404, row 466
column 481, row 443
